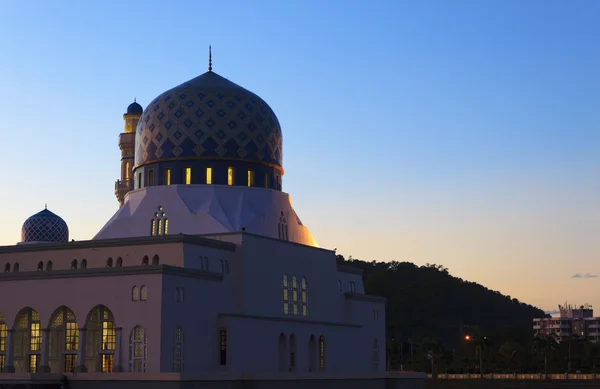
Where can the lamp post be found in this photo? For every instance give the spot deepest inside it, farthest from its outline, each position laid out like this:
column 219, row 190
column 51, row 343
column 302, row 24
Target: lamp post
column 478, row 350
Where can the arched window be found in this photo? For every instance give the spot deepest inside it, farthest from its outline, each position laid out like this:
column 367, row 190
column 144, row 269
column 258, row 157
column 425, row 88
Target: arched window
column 7, row 268
column 282, row 227
column 312, row 354
column 135, row 293
column 292, row 361
column 83, row 263
column 40, row 266
column 143, row 293
column 3, row 341
column 375, row 355
column 321, row 353
column 100, row 340
column 159, row 225
column 179, row 294
column 109, row 262
column 16, row 267
column 282, row 354
column 155, row 260
column 304, row 296
column 295, row 295
column 285, row 294
column 63, row 341
column 119, row 262
column 27, row 338
column 138, row 350
column 145, row 260
column 178, row 350
column 74, row 264
column 48, row 265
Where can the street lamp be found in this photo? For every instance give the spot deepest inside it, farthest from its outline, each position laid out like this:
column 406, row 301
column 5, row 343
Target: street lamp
column 478, row 350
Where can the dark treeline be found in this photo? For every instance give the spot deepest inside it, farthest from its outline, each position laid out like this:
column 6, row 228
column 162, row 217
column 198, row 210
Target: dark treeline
column 437, row 321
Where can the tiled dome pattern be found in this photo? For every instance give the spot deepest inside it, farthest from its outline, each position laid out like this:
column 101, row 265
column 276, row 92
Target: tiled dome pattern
column 209, row 116
column 45, row 226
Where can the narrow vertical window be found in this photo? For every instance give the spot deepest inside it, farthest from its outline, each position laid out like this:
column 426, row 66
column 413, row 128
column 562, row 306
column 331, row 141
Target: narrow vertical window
column 266, row 180
column 166, row 226
column 230, row 173
column 143, row 293
column 167, row 177
column 304, row 296
column 83, row 263
column 127, row 171
column 138, row 350
column 150, row 177
column 285, row 295
column 153, row 227
column 178, row 350
column 250, row 177
column 223, row 348
column 294, row 295
column 375, row 355
column 135, row 294
column 139, row 180
column 74, row 264
column 48, row 265
column 7, row 268
column 321, row 353
column 119, row 262
column 109, row 262
column 40, row 266
column 160, row 226
column 188, row 175
column 208, row 176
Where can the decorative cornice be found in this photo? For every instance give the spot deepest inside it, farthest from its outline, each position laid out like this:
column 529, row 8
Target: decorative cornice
column 112, row 272
column 119, row 242
column 293, row 319
column 365, row 297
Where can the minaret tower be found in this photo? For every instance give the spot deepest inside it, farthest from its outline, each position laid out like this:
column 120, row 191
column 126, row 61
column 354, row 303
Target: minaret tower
column 127, row 146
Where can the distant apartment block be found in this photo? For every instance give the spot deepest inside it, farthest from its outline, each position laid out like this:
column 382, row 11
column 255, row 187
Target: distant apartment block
column 573, row 321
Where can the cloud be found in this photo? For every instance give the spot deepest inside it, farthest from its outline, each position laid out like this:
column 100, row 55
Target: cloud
column 586, row 275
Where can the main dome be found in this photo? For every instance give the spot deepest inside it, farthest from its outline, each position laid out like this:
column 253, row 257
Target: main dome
column 44, row 226
column 208, row 117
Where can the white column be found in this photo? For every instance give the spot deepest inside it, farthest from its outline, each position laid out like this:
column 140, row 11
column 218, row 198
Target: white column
column 80, row 365
column 44, row 367
column 118, row 365
column 9, row 360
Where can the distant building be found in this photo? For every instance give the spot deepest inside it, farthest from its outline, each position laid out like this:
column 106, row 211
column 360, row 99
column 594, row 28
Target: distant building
column 573, row 321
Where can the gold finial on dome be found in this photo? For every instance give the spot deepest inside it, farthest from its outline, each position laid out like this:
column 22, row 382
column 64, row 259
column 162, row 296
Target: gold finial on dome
column 209, row 58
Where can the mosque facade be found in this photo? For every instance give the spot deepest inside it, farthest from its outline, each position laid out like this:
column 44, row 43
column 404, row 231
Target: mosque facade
column 204, row 268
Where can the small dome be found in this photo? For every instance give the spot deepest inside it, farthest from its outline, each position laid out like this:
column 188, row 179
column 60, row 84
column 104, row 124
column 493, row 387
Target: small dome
column 45, row 226
column 135, row 108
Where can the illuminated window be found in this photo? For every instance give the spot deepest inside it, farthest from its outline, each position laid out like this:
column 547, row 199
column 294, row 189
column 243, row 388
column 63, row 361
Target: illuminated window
column 34, row 362
column 3, row 335
column 178, row 350
column 108, row 361
column 35, row 337
column 101, row 334
column 266, row 180
column 109, row 335
column 188, row 175
column 167, row 177
column 150, row 177
column 285, row 298
column 159, row 225
column 321, row 353
column 230, row 173
column 2, row 361
column 250, row 177
column 63, row 341
column 127, row 170
column 223, row 347
column 139, row 180
column 295, row 304
column 304, row 296
column 209, row 175
column 40, row 266
column 138, row 350
column 153, row 227
column 70, row 362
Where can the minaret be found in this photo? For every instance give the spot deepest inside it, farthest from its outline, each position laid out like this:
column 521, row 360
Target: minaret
column 127, row 146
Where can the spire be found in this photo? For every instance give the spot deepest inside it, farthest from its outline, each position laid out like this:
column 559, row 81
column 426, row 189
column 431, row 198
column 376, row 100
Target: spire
column 209, row 58
column 135, row 100
column 46, row 206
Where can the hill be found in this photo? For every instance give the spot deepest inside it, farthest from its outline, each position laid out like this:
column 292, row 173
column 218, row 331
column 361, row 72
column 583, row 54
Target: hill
column 426, row 302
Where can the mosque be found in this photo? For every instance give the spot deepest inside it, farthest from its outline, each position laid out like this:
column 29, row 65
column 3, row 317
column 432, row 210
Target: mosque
column 205, row 267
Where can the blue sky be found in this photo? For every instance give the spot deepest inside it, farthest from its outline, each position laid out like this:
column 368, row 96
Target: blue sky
column 465, row 133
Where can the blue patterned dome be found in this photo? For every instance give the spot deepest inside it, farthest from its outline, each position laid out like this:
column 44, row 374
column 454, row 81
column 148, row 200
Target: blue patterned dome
column 135, row 108
column 45, row 226
column 208, row 117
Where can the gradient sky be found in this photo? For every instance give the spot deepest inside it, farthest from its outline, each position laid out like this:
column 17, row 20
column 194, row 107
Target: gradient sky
column 463, row 133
